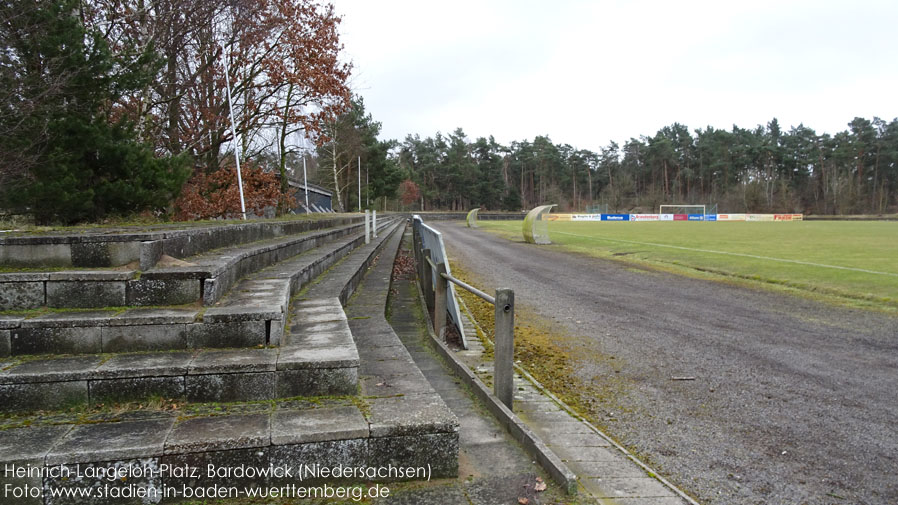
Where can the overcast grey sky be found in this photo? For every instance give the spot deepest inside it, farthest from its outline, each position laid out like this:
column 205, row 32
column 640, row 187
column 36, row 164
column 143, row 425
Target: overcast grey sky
column 587, row 72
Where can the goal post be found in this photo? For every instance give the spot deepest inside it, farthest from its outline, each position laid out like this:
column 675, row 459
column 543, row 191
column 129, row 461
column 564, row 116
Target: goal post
column 683, row 209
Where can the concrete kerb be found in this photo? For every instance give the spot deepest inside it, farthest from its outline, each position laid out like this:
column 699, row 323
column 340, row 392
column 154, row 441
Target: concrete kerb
column 531, row 442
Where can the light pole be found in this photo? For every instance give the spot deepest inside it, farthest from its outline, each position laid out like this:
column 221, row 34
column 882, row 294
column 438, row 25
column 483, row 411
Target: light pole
column 234, row 136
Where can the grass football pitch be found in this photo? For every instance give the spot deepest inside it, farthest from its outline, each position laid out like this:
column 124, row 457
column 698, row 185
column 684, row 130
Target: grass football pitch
column 854, row 263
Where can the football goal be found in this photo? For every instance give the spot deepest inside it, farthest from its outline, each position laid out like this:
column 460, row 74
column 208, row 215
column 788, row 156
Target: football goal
column 682, row 209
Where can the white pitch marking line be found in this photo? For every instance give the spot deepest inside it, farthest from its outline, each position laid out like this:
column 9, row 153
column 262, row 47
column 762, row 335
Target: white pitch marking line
column 807, row 263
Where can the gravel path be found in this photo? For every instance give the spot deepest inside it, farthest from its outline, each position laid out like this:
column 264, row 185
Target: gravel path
column 793, row 401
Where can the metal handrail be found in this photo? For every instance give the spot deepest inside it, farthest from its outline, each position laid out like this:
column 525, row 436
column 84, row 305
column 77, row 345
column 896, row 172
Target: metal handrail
column 503, row 302
column 470, row 288
column 463, row 284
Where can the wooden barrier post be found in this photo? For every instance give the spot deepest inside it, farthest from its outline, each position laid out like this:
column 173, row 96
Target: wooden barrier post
column 503, row 374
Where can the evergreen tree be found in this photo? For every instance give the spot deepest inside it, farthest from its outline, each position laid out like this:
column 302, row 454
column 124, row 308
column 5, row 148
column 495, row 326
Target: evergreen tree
column 80, row 157
column 384, row 174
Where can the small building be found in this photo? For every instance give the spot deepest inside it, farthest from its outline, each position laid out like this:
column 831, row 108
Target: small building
column 319, row 198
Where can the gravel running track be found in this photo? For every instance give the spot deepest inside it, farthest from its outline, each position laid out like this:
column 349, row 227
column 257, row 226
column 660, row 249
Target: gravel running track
column 793, row 402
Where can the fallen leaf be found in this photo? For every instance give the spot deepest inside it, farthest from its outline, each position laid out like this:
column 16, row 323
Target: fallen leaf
column 523, row 501
column 540, row 486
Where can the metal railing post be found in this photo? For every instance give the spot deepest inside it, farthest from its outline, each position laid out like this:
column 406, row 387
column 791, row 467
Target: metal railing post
column 416, row 248
column 427, row 279
column 503, row 378
column 439, row 302
column 374, row 223
column 419, row 259
column 367, row 227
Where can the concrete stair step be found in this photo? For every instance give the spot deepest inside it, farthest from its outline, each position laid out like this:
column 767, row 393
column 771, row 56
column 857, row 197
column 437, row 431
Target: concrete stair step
column 400, row 423
column 117, row 246
column 343, row 279
column 269, row 291
column 254, row 315
column 319, row 357
column 325, row 365
column 203, row 278
column 166, row 451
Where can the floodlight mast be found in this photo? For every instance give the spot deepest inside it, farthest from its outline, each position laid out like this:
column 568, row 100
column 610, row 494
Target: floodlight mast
column 234, row 136
column 305, row 179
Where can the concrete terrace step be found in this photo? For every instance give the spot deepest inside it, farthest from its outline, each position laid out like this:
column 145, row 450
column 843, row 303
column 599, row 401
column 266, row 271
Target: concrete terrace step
column 266, row 294
column 329, row 366
column 205, row 277
column 404, row 426
column 368, row 435
column 345, row 277
column 110, row 247
column 387, row 371
column 254, row 317
column 319, row 358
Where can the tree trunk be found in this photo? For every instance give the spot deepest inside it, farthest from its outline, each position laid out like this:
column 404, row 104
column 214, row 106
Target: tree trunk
column 282, row 151
column 336, row 179
column 589, row 183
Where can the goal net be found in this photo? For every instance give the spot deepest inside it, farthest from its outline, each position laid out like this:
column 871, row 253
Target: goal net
column 682, row 209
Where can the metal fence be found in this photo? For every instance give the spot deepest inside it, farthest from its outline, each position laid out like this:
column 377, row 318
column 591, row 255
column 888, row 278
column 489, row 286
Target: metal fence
column 431, row 241
column 438, row 288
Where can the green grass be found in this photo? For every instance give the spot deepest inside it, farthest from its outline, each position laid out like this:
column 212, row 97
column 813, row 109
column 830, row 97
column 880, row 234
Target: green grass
column 849, row 262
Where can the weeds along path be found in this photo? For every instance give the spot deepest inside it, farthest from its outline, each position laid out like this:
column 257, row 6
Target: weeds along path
column 788, row 400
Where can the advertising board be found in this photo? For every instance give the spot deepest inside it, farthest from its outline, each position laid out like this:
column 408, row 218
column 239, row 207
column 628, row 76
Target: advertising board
column 788, row 217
